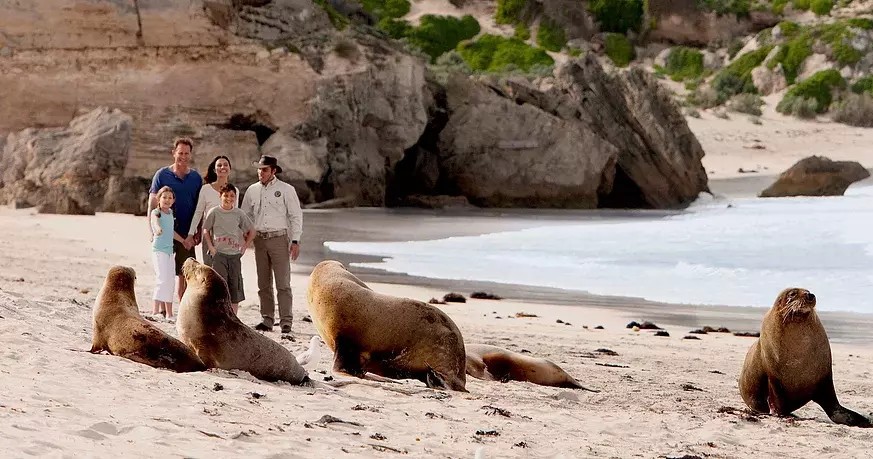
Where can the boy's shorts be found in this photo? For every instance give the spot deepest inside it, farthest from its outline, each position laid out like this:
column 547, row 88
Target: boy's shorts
column 229, row 267
column 181, row 254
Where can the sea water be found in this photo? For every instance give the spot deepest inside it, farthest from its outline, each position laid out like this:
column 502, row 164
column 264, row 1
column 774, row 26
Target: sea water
column 738, row 252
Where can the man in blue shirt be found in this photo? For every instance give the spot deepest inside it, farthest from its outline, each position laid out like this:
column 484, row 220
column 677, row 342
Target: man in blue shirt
column 186, row 183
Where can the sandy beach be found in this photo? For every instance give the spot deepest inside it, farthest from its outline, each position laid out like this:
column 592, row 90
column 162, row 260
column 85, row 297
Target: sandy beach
column 659, row 396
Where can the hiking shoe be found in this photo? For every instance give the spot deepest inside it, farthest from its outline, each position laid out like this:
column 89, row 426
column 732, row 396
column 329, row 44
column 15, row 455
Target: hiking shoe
column 263, row 327
column 286, row 329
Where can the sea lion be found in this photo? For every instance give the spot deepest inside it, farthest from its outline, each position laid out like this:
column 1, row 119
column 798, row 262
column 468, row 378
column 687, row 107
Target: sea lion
column 492, row 363
column 208, row 325
column 118, row 328
column 385, row 335
column 790, row 364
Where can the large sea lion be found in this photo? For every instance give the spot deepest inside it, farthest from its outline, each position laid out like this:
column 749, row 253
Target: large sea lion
column 208, row 325
column 790, row 364
column 384, row 335
column 119, row 329
column 492, row 363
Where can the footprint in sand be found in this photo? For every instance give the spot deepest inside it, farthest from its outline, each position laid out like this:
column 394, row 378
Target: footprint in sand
column 98, row 431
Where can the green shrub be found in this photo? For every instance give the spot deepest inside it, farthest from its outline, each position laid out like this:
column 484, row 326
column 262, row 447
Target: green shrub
column 447, row 64
column 338, row 20
column 801, row 5
column 551, row 36
column 734, row 47
column 574, row 52
column 736, row 78
column 863, row 85
column 439, row 34
column 703, row 97
column 684, row 63
column 821, row 7
column 788, row 28
column 749, row 104
column 386, row 8
column 395, row 28
column 778, row 6
column 855, row 110
column 522, row 32
column 492, row 53
column 791, row 55
column 818, row 87
column 619, row 49
column 737, row 7
column 800, row 107
column 509, row 11
column 838, row 36
column 861, row 23
column 618, row 16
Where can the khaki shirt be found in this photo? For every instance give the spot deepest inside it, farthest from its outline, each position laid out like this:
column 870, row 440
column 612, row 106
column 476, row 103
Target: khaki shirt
column 274, row 207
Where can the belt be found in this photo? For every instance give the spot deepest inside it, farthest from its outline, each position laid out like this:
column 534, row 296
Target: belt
column 271, row 234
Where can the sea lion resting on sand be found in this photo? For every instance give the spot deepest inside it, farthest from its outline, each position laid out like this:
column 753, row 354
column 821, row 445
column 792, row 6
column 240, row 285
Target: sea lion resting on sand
column 119, row 329
column 790, row 364
column 492, row 363
column 385, row 335
column 208, row 325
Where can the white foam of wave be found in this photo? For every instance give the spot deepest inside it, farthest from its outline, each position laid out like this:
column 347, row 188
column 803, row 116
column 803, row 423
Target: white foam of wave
column 740, row 255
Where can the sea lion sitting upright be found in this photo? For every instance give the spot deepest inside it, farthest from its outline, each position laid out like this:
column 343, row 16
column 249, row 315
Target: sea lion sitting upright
column 492, row 363
column 790, row 364
column 384, row 335
column 119, row 329
column 208, row 325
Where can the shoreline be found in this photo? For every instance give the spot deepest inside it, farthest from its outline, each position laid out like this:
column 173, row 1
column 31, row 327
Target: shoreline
column 418, row 224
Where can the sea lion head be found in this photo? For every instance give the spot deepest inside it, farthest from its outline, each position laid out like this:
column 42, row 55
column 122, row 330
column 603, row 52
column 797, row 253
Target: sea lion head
column 794, row 302
column 208, row 283
column 119, row 284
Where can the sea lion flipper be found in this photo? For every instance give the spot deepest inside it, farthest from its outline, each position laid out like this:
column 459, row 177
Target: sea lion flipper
column 826, row 397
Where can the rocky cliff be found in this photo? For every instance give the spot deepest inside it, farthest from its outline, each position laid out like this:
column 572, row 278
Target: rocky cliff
column 351, row 115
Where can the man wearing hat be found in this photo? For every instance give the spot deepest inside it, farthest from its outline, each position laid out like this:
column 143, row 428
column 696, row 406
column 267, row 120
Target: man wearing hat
column 275, row 209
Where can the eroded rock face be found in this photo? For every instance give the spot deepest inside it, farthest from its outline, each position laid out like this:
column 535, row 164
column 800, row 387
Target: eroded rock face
column 587, row 140
column 816, row 176
column 501, row 154
column 66, row 170
column 768, row 81
column 684, row 22
column 371, row 116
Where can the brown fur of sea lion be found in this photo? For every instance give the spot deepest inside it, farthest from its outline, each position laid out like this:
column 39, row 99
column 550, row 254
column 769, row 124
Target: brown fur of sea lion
column 790, row 364
column 208, row 325
column 382, row 334
column 118, row 328
column 492, row 363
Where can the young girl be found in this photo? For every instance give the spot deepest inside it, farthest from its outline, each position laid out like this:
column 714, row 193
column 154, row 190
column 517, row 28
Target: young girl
column 162, row 252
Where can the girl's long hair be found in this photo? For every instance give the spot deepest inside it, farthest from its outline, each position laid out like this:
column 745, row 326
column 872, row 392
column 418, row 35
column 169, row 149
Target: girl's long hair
column 211, row 176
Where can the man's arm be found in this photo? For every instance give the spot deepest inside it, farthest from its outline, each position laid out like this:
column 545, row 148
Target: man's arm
column 295, row 214
column 248, row 204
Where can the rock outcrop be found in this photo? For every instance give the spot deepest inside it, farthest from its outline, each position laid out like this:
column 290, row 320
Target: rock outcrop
column 590, row 140
column 816, row 176
column 685, row 22
column 67, row 170
column 351, row 116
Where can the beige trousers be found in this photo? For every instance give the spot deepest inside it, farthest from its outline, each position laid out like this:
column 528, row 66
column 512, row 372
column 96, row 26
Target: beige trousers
column 274, row 260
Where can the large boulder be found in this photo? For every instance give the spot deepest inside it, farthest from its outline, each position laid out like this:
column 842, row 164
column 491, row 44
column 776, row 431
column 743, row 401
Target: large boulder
column 816, row 176
column 501, row 154
column 584, row 140
column 66, row 170
column 371, row 115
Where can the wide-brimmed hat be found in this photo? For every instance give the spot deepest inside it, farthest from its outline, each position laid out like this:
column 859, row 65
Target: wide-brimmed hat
column 268, row 161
